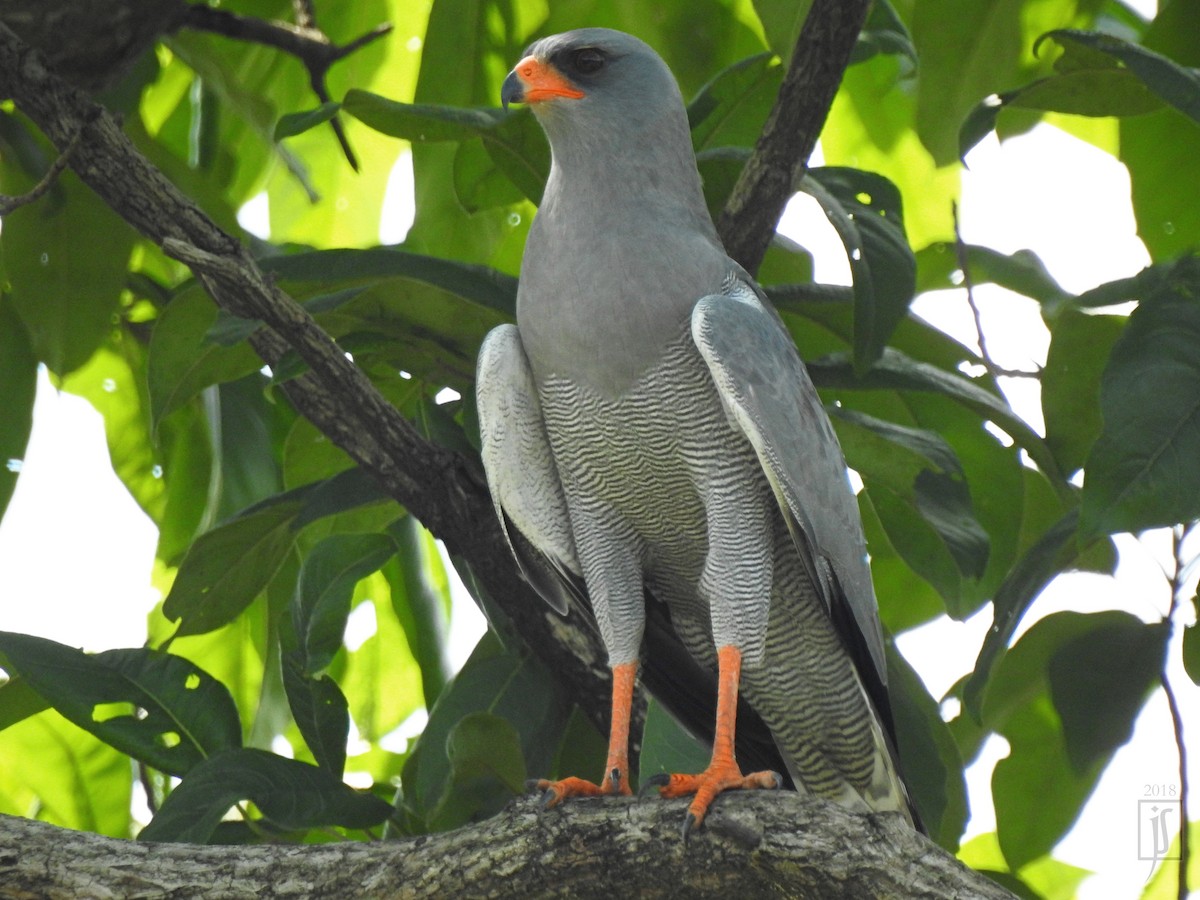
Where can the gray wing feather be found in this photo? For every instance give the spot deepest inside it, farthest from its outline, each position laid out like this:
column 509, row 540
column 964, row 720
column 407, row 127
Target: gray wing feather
column 521, row 473
column 769, row 396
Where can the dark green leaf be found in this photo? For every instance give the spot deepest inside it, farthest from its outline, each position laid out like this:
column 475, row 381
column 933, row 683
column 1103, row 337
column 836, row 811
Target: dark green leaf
column 930, row 761
column 65, row 264
column 1191, row 652
column 921, row 472
column 1045, row 559
column 938, row 268
column 299, row 122
column 421, row 601
column 182, row 361
column 158, row 708
column 478, row 183
column 228, row 567
column 291, row 795
column 1079, row 349
column 1141, row 470
column 1037, row 790
column 730, row 109
column 327, row 579
column 1175, row 84
column 320, row 711
column 419, row 122
column 18, row 384
column 667, row 747
column 18, row 700
column 897, row 371
column 1099, row 682
column 483, row 745
column 884, row 32
column 865, row 210
column 515, row 688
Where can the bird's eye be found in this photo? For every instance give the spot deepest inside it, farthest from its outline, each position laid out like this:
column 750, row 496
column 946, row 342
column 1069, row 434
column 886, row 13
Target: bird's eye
column 588, row 61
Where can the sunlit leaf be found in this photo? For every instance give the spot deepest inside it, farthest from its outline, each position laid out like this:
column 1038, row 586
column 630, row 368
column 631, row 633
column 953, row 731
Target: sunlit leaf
column 158, row 708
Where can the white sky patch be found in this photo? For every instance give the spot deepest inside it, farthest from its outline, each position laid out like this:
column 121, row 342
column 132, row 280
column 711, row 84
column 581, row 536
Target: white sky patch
column 255, row 216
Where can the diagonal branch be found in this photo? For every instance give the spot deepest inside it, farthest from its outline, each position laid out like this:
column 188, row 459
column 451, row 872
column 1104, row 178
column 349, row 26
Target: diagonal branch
column 303, row 40
column 781, row 154
column 440, row 487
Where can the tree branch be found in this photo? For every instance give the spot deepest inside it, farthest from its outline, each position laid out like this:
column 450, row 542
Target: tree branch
column 756, row 844
column 781, row 154
column 440, row 487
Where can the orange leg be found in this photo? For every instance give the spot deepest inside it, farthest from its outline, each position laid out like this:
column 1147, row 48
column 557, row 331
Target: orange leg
column 722, row 773
column 616, row 770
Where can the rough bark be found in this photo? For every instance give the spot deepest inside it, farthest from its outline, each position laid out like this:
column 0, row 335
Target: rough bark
column 752, row 845
column 781, row 154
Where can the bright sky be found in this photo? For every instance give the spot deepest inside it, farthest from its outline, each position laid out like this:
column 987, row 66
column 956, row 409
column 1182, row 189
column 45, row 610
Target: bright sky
column 76, row 552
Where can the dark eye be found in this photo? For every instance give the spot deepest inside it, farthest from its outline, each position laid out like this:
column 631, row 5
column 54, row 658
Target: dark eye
column 588, row 61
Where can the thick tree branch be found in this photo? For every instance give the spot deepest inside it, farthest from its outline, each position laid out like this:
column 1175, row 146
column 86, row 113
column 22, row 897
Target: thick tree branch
column 781, row 153
column 752, row 845
column 443, row 489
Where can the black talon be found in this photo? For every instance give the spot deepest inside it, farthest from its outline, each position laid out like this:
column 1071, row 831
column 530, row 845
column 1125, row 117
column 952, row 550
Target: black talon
column 778, row 781
column 548, row 798
column 690, row 824
column 531, row 785
column 615, row 777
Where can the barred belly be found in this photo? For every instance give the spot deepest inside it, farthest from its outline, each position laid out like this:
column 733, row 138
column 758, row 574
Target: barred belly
column 654, row 479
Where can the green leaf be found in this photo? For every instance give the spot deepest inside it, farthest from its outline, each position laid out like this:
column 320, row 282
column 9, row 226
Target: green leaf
column 1175, row 84
column 320, row 711
column 327, row 579
column 1079, row 348
column 513, row 143
column 291, row 795
column 158, row 708
column 1099, row 682
column 667, row 747
column 66, row 264
column 227, row 567
column 918, row 468
column 299, row 122
column 897, row 371
column 782, row 21
column 729, row 111
column 182, row 360
column 1191, row 652
column 18, row 700
column 1033, row 571
column 938, row 268
column 930, row 760
column 865, row 210
column 421, row 601
column 493, row 681
column 1037, row 790
column 482, row 745
column 1141, row 471
column 18, row 385
column 884, row 32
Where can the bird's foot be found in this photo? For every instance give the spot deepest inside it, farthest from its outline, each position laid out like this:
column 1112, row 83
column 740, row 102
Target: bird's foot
column 555, row 792
column 704, row 788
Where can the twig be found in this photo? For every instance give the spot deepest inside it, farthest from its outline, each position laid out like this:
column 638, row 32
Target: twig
column 781, row 154
column 303, row 40
column 9, row 204
column 1178, row 535
column 964, row 265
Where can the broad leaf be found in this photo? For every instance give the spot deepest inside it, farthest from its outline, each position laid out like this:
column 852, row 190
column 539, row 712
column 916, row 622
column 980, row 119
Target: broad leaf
column 865, row 210
column 297, row 123
column 1141, row 471
column 667, row 747
column 290, row 794
column 18, row 384
column 228, row 567
column 158, row 708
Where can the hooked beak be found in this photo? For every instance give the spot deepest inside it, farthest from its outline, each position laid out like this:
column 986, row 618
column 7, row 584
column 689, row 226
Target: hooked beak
column 534, row 81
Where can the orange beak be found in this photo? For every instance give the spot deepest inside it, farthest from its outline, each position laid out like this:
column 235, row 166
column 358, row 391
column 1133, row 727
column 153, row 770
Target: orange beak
column 532, row 81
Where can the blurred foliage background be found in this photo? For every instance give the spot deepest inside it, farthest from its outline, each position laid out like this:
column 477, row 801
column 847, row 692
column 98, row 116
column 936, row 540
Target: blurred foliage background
column 269, row 537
